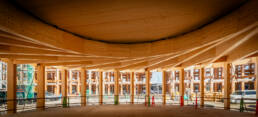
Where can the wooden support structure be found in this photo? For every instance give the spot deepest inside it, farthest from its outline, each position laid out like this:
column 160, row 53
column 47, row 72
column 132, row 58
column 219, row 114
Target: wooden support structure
column 100, row 87
column 164, row 86
column 83, row 87
column 64, row 87
column 147, row 76
column 132, row 87
column 202, row 86
column 226, row 71
column 41, row 86
column 11, row 86
column 181, row 86
column 256, row 83
column 116, row 96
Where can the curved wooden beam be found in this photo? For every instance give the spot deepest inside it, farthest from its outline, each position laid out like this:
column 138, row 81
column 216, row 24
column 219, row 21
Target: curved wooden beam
column 14, row 21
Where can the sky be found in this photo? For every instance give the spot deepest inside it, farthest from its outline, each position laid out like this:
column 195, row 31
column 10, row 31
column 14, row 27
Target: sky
column 156, row 77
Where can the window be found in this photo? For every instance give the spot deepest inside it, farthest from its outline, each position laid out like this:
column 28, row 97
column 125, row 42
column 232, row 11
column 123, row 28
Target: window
column 106, row 89
column 60, row 89
column 36, row 76
column 75, row 75
column 196, row 74
column 207, row 72
column 238, row 86
column 177, row 87
column 50, row 75
column 249, row 69
column 249, row 86
column 238, row 71
column 208, row 86
column 74, row 89
column 187, row 75
column 218, row 73
column 51, row 89
column 196, row 87
column 60, row 76
column 177, row 75
column 217, row 87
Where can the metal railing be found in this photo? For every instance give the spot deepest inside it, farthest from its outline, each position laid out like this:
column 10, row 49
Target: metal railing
column 247, row 105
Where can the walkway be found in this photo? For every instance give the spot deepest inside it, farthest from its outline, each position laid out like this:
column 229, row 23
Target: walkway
column 131, row 111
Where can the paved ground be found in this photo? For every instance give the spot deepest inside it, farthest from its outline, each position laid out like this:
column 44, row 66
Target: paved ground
column 131, row 111
column 75, row 101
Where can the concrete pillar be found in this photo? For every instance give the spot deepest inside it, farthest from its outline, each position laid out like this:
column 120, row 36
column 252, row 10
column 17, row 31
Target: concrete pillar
column 164, row 86
column 132, row 87
column 202, row 86
column 41, row 86
column 11, row 86
column 181, row 86
column 116, row 87
column 147, row 74
column 100, row 87
column 83, row 86
column 226, row 71
column 64, row 86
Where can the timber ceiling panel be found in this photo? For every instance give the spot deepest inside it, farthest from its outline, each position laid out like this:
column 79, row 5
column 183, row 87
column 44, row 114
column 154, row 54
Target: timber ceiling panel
column 128, row 21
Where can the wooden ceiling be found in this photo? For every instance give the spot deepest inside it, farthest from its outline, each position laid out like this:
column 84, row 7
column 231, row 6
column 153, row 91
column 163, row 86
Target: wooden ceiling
column 128, row 21
column 27, row 40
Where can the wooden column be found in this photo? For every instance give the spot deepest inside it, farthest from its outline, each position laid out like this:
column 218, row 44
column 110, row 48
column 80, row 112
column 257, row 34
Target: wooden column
column 11, row 86
column 181, row 86
column 121, row 88
column 202, row 86
column 41, row 86
column 242, row 85
column 64, row 75
column 57, row 82
column 109, row 88
column 116, row 76
column 226, row 71
column 69, row 80
column 100, row 87
column 132, row 87
column 147, row 74
column 256, row 83
column 83, row 86
column 164, row 86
